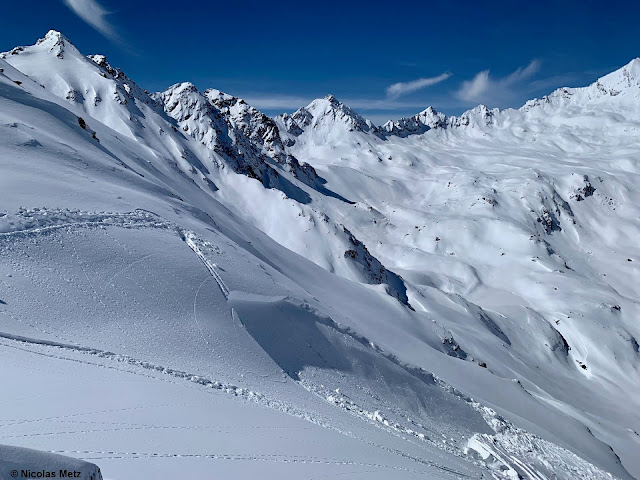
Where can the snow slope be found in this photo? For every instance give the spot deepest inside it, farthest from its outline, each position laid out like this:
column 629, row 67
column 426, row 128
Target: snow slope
column 530, row 214
column 312, row 295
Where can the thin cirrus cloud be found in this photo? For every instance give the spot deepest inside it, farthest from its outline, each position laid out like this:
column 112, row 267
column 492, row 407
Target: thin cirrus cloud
column 486, row 89
column 95, row 15
column 402, row 88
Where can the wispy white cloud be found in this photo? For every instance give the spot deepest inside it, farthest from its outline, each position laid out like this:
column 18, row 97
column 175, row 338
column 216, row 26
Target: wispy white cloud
column 485, row 89
column 94, row 14
column 402, row 88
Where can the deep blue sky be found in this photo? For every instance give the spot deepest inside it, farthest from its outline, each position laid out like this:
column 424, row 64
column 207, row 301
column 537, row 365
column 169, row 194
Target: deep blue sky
column 280, row 55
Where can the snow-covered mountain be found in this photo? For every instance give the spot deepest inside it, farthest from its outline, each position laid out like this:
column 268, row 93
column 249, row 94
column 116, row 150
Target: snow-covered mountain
column 323, row 114
column 313, row 295
column 250, row 142
column 244, row 136
column 617, row 89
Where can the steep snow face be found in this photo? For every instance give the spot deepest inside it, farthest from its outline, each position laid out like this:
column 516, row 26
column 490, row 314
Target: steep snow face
column 195, row 115
column 91, row 83
column 255, row 134
column 248, row 140
column 254, row 125
column 101, row 94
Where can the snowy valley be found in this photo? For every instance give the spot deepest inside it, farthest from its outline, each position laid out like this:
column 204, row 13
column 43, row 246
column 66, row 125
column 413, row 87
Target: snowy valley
column 188, row 286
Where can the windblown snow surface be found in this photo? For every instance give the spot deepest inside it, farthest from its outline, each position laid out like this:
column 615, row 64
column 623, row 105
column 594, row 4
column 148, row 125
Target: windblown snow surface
column 191, row 289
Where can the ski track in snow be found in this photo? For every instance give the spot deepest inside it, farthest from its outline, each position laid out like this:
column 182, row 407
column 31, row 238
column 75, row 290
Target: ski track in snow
column 50, row 223
column 484, row 449
column 191, row 241
column 234, row 390
column 240, row 457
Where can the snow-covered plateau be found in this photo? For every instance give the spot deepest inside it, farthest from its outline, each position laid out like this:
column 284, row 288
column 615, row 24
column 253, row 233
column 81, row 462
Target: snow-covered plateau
column 191, row 289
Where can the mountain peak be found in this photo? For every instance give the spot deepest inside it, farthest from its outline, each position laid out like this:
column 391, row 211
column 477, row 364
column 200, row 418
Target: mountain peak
column 628, row 75
column 428, row 111
column 225, row 101
column 635, row 63
column 323, row 115
column 54, row 41
column 633, row 66
column 329, row 110
column 331, row 99
column 425, row 120
column 182, row 87
column 620, row 88
column 53, row 35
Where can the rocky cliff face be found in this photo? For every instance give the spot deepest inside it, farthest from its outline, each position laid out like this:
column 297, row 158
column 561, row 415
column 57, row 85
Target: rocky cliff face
column 247, row 139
